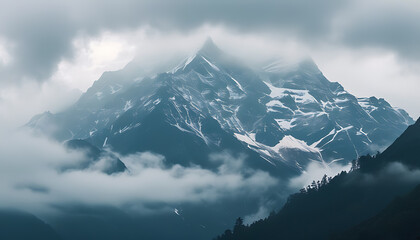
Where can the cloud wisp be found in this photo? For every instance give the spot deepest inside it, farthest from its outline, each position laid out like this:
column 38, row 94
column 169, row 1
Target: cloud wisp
column 314, row 172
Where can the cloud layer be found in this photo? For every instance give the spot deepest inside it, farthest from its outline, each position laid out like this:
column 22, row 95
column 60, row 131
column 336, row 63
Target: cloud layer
column 369, row 46
column 31, row 179
column 41, row 32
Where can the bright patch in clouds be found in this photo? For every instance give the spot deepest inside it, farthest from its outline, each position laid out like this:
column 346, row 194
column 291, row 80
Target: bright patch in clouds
column 94, row 56
column 373, row 73
column 20, row 103
column 5, row 57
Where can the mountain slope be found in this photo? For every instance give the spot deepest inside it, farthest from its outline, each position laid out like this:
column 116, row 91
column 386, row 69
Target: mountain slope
column 404, row 150
column 16, row 225
column 281, row 117
column 328, row 208
column 399, row 220
column 327, row 117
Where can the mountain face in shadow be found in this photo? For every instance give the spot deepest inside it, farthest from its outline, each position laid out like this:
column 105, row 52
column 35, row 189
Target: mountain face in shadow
column 327, row 208
column 15, row 225
column 399, row 220
column 404, row 150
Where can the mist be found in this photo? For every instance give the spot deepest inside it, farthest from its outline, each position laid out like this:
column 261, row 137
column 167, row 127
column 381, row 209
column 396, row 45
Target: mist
column 32, row 179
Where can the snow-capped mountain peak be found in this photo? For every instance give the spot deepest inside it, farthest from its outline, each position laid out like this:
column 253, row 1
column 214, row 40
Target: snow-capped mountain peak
column 209, row 49
column 283, row 116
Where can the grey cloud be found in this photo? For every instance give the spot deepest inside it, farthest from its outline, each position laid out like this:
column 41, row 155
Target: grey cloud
column 39, row 37
column 308, row 16
column 42, row 31
column 31, row 179
column 386, row 26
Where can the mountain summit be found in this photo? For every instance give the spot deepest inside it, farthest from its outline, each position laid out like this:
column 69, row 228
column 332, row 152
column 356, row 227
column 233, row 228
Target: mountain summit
column 281, row 117
column 209, row 48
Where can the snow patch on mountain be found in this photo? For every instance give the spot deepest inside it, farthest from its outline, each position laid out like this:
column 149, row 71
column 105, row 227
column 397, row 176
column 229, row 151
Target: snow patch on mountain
column 300, row 96
column 289, row 142
column 127, row 105
column 237, row 83
column 246, row 139
column 286, row 124
column 211, row 64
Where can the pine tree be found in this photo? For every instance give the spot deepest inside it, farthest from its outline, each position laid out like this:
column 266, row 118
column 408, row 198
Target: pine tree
column 239, row 228
column 324, row 180
column 313, row 185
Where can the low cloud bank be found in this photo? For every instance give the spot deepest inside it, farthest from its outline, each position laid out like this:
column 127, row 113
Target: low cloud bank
column 393, row 174
column 31, row 179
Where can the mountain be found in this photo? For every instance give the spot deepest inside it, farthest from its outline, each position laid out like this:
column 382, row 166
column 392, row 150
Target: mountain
column 16, row 225
column 282, row 116
column 403, row 150
column 333, row 207
column 328, row 118
column 400, row 220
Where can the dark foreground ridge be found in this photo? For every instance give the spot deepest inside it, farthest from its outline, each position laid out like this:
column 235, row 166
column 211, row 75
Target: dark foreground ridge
column 362, row 204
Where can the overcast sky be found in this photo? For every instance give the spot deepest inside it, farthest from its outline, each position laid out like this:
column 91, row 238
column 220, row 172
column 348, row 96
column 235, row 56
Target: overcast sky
column 50, row 48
